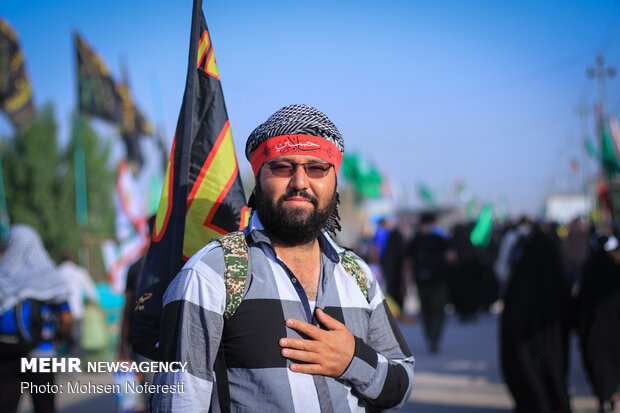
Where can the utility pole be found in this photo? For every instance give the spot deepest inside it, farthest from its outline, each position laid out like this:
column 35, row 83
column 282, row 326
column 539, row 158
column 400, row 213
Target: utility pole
column 583, row 111
column 601, row 73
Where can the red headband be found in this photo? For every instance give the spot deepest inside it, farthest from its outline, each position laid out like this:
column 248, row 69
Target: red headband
column 295, row 145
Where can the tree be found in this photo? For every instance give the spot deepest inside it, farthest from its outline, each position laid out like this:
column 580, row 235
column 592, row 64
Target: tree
column 31, row 162
column 40, row 183
column 100, row 178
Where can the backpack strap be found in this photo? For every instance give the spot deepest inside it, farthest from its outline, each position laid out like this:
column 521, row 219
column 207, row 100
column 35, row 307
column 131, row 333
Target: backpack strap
column 236, row 269
column 353, row 269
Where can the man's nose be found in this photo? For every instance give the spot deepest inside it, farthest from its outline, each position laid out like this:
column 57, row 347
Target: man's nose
column 299, row 180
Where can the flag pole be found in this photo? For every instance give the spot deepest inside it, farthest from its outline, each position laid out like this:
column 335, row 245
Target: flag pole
column 79, row 159
column 192, row 210
column 5, row 222
column 79, row 169
column 159, row 119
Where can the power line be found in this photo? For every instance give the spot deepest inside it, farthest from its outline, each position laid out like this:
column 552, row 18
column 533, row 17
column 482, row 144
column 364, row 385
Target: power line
column 557, row 66
column 610, row 31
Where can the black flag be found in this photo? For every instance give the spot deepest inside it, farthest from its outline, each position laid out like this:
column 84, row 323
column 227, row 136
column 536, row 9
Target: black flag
column 101, row 96
column 15, row 89
column 96, row 88
column 202, row 196
column 133, row 124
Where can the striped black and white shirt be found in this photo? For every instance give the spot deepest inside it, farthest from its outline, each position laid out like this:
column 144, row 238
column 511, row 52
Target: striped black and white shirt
column 258, row 377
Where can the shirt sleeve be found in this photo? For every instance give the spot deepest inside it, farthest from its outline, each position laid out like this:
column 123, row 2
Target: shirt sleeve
column 89, row 286
column 381, row 371
column 192, row 323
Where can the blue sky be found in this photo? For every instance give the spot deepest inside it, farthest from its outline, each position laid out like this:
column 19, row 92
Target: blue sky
column 431, row 92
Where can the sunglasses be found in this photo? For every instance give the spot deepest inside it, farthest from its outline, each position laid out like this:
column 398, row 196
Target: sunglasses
column 286, row 169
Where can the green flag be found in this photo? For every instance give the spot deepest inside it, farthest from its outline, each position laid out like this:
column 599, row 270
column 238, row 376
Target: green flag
column 481, row 234
column 609, row 158
column 365, row 178
column 425, row 193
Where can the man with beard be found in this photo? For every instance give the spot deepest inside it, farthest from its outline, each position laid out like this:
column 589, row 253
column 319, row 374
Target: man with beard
column 312, row 331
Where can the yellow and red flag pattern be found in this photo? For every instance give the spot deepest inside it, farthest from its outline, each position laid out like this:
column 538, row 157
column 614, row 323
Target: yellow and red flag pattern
column 205, row 48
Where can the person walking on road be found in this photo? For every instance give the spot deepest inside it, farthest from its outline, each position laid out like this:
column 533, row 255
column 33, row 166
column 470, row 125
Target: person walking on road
column 534, row 328
column 598, row 320
column 81, row 287
column 429, row 253
column 34, row 315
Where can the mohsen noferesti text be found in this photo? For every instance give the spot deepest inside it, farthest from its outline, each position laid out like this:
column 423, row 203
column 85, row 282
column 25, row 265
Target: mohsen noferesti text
column 127, row 387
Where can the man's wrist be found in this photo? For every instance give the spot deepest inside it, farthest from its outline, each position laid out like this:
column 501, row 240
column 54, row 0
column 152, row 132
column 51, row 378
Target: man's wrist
column 361, row 368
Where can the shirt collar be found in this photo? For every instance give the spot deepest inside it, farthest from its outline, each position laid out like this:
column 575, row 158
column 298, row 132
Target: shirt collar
column 256, row 233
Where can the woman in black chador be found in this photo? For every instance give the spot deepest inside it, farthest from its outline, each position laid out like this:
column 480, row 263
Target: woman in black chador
column 599, row 320
column 534, row 327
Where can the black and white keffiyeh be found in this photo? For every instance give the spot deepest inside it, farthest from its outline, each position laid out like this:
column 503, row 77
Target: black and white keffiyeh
column 298, row 119
column 294, row 120
column 27, row 271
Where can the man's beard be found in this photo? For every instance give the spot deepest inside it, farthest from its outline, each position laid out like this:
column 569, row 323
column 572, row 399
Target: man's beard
column 292, row 226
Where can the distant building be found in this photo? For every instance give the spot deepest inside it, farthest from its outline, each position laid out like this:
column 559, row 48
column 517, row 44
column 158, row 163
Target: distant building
column 564, row 207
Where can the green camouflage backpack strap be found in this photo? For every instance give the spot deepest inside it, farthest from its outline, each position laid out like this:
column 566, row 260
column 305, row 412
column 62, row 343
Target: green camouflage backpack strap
column 236, row 269
column 353, row 268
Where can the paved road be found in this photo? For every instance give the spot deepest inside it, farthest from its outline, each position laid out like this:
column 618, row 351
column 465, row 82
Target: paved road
column 463, row 378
